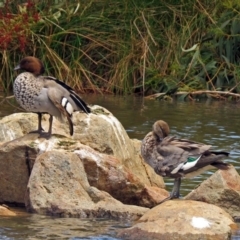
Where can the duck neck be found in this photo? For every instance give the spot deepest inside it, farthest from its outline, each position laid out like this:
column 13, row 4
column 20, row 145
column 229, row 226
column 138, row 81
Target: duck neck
column 158, row 138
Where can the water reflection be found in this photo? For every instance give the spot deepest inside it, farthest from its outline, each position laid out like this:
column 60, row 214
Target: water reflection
column 215, row 123
column 32, row 226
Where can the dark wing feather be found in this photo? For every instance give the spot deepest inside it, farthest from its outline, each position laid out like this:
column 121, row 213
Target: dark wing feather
column 79, row 102
column 74, row 96
column 176, row 151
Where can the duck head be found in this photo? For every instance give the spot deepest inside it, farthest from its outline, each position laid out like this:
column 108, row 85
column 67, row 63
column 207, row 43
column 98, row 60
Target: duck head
column 32, row 65
column 161, row 129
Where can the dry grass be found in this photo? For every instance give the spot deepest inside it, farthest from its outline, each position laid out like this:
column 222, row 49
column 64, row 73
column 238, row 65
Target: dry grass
column 126, row 46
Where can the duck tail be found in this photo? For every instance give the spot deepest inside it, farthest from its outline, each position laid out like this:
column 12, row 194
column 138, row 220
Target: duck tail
column 226, row 154
column 220, row 165
column 79, row 102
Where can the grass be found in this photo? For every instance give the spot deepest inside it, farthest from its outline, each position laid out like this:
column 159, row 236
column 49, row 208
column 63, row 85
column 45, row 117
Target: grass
column 125, row 46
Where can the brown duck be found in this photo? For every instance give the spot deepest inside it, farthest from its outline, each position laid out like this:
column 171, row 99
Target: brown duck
column 172, row 157
column 45, row 94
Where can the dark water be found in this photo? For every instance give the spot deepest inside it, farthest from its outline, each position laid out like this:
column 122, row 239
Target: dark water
column 215, row 123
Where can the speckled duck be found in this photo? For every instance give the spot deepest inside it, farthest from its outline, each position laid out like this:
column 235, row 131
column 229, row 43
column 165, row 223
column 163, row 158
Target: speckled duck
column 45, row 94
column 172, row 157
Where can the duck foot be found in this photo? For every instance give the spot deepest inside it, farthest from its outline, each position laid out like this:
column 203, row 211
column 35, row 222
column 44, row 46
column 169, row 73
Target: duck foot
column 46, row 135
column 175, row 191
column 169, row 198
column 37, row 131
column 42, row 134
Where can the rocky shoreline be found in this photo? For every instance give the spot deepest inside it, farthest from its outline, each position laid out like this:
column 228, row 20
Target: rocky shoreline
column 99, row 172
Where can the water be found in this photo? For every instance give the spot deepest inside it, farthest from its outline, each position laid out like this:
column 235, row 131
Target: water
column 37, row 227
column 215, row 123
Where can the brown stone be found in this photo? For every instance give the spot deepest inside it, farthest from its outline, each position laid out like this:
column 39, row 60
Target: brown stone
column 107, row 173
column 221, row 189
column 58, row 186
column 121, row 172
column 6, row 212
column 104, row 133
column 16, row 161
column 181, row 220
column 100, row 130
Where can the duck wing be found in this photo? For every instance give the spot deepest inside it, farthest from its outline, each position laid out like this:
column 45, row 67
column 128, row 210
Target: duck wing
column 181, row 156
column 74, row 96
column 64, row 93
column 61, row 100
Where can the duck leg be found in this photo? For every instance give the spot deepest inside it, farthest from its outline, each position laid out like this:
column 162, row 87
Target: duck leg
column 50, row 125
column 48, row 134
column 176, row 188
column 40, row 129
column 175, row 191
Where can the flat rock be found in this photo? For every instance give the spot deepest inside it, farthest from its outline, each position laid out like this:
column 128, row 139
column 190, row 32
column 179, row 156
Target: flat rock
column 181, row 220
column 221, row 189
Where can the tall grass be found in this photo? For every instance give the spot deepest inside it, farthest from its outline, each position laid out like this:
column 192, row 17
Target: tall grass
column 126, row 46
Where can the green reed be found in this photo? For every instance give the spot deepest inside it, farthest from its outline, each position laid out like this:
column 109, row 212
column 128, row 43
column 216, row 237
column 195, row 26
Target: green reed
column 127, row 46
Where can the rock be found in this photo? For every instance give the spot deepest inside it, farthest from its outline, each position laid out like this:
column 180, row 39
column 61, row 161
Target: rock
column 151, row 196
column 17, row 125
column 221, row 189
column 180, row 220
column 105, row 134
column 6, row 212
column 100, row 130
column 15, row 166
column 58, row 186
column 103, row 171
column 111, row 155
column 107, row 173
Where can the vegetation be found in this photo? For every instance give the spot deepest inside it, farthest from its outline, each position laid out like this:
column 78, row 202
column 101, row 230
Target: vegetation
column 126, row 46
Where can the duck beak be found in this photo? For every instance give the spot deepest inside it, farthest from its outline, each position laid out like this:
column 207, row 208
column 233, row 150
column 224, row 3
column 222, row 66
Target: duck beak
column 17, row 67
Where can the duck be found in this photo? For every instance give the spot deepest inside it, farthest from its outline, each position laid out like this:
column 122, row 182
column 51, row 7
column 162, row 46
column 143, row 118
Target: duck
column 45, row 95
column 178, row 158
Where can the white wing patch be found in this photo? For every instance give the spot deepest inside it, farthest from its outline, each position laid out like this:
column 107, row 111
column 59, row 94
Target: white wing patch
column 186, row 165
column 175, row 170
column 191, row 164
column 64, row 101
column 69, row 108
column 67, row 105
